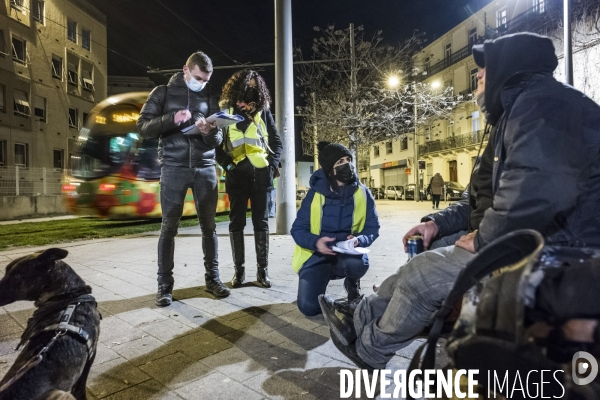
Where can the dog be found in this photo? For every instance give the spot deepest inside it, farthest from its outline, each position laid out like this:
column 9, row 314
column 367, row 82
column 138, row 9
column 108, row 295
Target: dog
column 61, row 337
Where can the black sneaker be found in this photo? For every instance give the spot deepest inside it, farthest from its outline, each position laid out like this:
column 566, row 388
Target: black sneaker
column 340, row 326
column 216, row 287
column 350, row 352
column 164, row 295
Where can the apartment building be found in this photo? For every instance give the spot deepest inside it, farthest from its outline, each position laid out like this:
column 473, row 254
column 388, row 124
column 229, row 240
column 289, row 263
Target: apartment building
column 53, row 70
column 450, row 146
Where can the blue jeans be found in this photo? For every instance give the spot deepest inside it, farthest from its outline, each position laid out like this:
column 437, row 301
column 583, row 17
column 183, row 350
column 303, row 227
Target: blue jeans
column 318, row 270
column 174, row 184
column 405, row 303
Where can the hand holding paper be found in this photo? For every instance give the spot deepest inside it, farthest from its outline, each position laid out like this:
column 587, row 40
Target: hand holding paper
column 223, row 119
column 347, row 247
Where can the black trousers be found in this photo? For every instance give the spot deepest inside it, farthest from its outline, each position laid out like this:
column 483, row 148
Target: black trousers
column 243, row 183
column 435, row 199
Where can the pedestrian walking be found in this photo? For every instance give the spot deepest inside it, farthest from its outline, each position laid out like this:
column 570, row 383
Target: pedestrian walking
column 436, row 185
column 187, row 161
column 249, row 155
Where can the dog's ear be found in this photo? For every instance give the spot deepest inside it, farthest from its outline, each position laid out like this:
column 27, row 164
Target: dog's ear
column 52, row 255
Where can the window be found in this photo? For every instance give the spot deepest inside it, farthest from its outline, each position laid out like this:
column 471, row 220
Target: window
column 85, row 117
column 472, row 36
column 72, row 73
column 404, row 143
column 501, row 19
column 38, row 10
column 450, row 130
column 73, row 121
column 86, row 78
column 448, row 51
column 39, row 108
column 18, row 4
column 19, row 49
column 2, row 152
column 312, row 169
column 388, row 148
column 475, row 123
column 21, row 104
column 376, row 151
column 58, row 157
column 2, row 98
column 21, row 157
column 57, row 66
column 427, row 63
column 473, row 74
column 72, row 31
column 448, row 84
column 86, row 39
column 539, row 6
column 2, row 44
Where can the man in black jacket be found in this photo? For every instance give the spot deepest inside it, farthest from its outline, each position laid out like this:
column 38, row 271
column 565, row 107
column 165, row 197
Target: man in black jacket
column 187, row 161
column 540, row 170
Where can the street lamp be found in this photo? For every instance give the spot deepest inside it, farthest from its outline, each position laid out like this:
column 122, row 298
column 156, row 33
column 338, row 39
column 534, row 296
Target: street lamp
column 393, row 81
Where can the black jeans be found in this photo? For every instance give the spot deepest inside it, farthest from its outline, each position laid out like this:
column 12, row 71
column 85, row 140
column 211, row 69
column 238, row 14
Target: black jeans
column 174, row 184
column 435, row 199
column 245, row 182
column 318, row 270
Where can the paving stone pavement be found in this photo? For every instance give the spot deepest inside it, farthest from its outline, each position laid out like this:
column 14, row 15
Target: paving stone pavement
column 253, row 344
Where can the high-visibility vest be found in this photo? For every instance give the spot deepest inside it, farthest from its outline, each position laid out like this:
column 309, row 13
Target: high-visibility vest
column 241, row 145
column 359, row 217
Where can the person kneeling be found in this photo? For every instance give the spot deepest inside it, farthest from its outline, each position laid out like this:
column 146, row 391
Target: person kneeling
column 336, row 208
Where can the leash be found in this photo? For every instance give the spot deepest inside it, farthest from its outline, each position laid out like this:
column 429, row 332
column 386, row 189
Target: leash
column 60, row 329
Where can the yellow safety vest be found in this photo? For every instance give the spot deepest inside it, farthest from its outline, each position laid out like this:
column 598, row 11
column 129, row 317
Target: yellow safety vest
column 241, row 145
column 359, row 217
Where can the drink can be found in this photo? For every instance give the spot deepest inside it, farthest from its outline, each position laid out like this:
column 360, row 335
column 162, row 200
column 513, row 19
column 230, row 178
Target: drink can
column 414, row 245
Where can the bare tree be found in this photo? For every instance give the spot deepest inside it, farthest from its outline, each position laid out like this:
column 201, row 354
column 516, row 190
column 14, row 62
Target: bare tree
column 380, row 112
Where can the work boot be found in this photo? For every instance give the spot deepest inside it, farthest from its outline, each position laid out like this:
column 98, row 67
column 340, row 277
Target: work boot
column 352, row 286
column 261, row 243
column 216, row 287
column 238, row 253
column 346, row 307
column 164, row 295
column 340, row 325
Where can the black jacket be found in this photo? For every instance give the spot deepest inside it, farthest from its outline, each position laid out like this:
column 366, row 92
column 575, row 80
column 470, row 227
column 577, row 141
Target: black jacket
column 545, row 168
column 157, row 120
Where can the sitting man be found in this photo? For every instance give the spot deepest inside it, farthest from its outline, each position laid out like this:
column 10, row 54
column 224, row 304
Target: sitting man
column 542, row 170
column 336, row 208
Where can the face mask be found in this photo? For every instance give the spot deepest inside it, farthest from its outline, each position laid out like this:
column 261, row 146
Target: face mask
column 344, row 173
column 194, row 85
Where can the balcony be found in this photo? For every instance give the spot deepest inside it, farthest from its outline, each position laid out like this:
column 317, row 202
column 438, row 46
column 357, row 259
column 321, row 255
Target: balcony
column 452, row 143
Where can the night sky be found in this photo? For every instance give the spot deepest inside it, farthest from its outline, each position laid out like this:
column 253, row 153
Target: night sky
column 155, row 33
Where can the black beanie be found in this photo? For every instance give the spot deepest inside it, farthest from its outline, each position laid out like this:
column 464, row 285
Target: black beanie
column 329, row 153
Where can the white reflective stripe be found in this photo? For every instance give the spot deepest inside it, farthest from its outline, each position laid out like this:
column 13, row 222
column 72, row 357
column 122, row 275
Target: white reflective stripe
column 254, row 142
column 238, row 142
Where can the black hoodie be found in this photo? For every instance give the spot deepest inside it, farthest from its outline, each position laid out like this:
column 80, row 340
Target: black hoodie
column 544, row 150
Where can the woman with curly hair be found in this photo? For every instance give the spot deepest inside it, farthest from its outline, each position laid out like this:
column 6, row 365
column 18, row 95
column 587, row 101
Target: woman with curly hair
column 249, row 155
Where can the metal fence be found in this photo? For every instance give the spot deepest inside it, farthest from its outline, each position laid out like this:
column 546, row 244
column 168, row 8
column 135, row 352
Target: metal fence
column 450, row 143
column 19, row 181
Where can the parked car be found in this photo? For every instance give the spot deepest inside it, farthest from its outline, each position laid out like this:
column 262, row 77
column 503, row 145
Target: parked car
column 301, row 194
column 409, row 192
column 454, row 190
column 394, row 192
column 378, row 193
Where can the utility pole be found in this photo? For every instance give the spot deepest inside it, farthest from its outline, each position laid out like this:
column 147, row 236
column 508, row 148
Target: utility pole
column 568, row 45
column 416, row 148
column 315, row 136
column 284, row 110
column 353, row 144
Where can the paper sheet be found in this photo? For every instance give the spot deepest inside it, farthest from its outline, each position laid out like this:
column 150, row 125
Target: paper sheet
column 347, row 247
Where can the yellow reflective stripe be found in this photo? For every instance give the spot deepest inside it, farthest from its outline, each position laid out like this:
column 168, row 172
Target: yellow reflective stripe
column 359, row 218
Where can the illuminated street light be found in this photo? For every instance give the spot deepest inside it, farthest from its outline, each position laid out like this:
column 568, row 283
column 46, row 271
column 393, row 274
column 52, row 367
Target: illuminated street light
column 393, row 81
column 435, row 84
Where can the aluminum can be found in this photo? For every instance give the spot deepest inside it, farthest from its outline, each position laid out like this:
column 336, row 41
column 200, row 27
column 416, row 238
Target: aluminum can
column 414, row 245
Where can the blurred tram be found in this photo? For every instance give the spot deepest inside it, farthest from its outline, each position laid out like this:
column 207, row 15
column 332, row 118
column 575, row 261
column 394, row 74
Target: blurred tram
column 114, row 171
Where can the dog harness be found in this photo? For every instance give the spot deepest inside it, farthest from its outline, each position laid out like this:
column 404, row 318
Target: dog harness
column 60, row 329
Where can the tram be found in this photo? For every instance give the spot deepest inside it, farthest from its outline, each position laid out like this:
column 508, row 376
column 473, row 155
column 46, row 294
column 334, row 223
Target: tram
column 114, row 172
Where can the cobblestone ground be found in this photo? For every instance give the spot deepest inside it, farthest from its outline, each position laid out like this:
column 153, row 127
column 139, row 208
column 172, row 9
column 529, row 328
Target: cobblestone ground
column 254, row 344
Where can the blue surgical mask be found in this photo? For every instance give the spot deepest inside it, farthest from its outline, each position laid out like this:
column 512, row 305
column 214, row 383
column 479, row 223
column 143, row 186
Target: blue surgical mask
column 194, row 85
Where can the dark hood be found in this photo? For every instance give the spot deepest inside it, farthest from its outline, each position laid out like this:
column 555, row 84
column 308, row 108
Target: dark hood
column 320, row 184
column 510, row 55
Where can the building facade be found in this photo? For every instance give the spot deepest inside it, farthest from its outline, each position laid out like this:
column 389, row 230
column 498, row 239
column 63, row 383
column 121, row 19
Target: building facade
column 127, row 84
column 450, row 146
column 53, row 70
